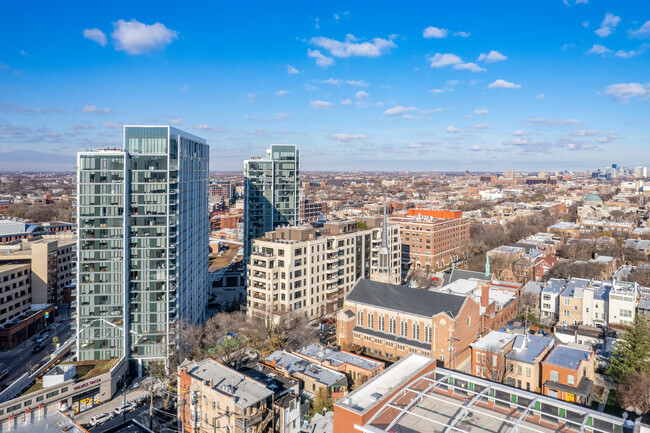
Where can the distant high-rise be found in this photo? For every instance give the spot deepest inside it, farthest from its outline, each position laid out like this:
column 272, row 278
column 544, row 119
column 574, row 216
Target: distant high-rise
column 271, row 192
column 143, row 243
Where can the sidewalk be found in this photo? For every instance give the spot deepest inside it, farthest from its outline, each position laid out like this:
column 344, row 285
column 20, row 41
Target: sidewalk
column 109, row 406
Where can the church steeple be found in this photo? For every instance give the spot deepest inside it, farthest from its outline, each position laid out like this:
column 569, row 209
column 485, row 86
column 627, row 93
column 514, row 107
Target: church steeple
column 384, row 252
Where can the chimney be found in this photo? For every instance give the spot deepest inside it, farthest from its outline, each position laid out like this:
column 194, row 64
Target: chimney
column 211, row 383
column 485, row 295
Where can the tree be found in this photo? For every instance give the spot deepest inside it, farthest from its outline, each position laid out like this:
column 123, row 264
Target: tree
column 322, row 401
column 634, row 391
column 632, row 351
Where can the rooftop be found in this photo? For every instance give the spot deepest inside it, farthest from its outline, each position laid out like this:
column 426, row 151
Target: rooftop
column 295, row 364
column 568, row 356
column 406, row 299
column 365, row 397
column 336, row 358
column 495, row 341
column 528, row 347
column 244, row 390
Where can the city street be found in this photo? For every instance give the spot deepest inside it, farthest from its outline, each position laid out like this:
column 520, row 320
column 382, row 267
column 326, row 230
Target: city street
column 21, row 358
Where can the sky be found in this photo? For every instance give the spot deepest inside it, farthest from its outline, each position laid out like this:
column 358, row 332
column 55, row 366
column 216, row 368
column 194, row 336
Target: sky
column 417, row 86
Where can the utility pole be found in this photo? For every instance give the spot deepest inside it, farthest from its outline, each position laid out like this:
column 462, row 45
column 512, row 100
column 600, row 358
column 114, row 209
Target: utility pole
column 151, row 384
column 124, row 406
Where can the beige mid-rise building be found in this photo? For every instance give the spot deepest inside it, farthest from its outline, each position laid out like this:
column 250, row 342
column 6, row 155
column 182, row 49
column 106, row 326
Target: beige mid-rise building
column 309, row 270
column 51, row 261
column 15, row 290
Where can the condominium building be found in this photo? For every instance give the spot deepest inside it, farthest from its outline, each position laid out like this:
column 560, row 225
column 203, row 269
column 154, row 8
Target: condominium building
column 309, row 270
column 142, row 244
column 271, row 192
column 432, row 239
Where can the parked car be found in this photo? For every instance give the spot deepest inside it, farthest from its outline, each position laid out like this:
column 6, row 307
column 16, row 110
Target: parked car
column 38, row 348
column 124, row 407
column 100, row 419
column 4, row 374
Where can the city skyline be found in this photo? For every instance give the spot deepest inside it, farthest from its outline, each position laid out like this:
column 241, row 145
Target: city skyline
column 549, row 86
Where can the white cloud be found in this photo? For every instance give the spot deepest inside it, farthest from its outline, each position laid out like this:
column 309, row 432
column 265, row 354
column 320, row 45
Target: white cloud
column 95, row 109
column 623, row 92
column 491, row 57
column 113, row 125
column 358, row 83
column 361, row 94
column 475, row 148
column 483, row 126
column 204, row 127
column 585, row 24
column 346, row 102
column 541, row 96
column 463, row 34
column 282, row 92
column 353, row 47
column 176, row 121
column 344, row 137
column 25, row 53
column 631, row 53
column 281, row 116
column 480, row 111
column 251, row 97
column 398, row 110
column 440, row 60
column 599, row 49
column 608, row 25
column 292, row 70
column 249, row 117
column 317, row 23
column 96, row 35
column 309, row 87
column 452, row 129
column 434, row 33
column 551, row 122
column 518, row 133
column 641, row 32
column 503, row 84
column 135, row 37
column 469, row 66
column 332, row 81
column 320, row 105
column 321, row 59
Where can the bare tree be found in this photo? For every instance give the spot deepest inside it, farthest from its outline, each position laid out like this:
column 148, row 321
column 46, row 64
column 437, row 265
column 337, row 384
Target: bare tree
column 634, row 391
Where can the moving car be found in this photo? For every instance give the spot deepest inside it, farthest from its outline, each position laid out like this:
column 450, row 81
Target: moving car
column 100, row 419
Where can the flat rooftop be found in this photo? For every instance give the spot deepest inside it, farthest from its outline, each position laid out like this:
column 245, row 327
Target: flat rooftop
column 445, row 400
column 336, row 358
column 383, row 384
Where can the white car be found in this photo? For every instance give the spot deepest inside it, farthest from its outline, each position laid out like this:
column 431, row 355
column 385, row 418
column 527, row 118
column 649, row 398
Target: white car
column 124, row 407
column 100, row 419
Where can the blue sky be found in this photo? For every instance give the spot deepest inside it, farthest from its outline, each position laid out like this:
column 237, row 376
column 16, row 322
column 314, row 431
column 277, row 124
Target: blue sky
column 528, row 85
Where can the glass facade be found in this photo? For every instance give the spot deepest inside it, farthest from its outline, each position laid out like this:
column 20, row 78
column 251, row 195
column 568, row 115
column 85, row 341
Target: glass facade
column 271, row 192
column 157, row 257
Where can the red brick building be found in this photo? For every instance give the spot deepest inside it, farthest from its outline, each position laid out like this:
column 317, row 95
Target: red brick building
column 392, row 321
column 432, row 239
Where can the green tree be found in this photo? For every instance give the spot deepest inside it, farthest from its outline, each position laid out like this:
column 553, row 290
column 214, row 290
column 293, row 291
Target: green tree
column 632, row 351
column 322, row 401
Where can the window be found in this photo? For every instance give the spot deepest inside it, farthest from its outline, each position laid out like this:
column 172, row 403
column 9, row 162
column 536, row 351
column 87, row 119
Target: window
column 391, row 325
column 519, row 370
column 555, row 376
column 427, row 334
column 404, row 328
column 571, row 379
column 359, row 318
column 567, row 301
column 416, row 331
column 370, row 320
column 380, row 322
column 494, row 360
column 527, row 371
column 469, row 320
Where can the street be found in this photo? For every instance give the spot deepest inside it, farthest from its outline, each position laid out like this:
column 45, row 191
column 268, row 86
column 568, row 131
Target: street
column 20, row 359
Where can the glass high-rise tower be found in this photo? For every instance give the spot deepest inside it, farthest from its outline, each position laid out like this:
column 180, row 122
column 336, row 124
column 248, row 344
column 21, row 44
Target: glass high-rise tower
column 271, row 192
column 143, row 243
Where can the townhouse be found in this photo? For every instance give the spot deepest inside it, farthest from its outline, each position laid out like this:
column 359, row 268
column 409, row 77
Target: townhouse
column 568, row 373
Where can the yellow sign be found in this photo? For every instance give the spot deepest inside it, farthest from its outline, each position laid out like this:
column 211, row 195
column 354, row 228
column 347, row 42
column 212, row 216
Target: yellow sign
column 570, row 397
